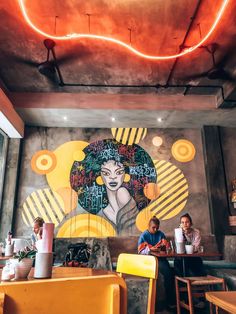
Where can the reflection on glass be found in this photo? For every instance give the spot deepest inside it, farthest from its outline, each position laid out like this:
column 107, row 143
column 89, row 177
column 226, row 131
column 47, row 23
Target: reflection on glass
column 3, row 152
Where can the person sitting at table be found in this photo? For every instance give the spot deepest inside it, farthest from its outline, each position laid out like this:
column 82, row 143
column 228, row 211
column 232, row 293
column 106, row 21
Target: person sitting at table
column 193, row 265
column 37, row 230
column 153, row 240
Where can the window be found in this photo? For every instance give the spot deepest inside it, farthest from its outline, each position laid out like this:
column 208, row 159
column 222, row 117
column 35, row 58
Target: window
column 3, row 155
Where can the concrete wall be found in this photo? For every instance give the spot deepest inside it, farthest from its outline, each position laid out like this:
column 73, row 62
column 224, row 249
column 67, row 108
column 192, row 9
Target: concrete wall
column 9, row 188
column 37, row 139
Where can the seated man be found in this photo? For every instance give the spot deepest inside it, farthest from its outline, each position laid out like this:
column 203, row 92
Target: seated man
column 150, row 241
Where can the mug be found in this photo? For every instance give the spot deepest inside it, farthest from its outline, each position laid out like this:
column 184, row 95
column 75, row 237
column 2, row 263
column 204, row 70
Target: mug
column 189, row 248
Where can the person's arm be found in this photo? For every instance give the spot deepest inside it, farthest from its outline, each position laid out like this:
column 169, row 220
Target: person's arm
column 196, row 239
column 143, row 245
column 145, row 251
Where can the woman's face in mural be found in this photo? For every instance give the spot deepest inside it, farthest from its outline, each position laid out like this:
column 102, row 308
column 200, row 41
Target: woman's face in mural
column 113, row 174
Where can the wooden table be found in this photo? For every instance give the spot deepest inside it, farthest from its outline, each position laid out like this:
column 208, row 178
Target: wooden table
column 70, row 272
column 71, row 289
column 183, row 256
column 5, row 258
column 226, row 300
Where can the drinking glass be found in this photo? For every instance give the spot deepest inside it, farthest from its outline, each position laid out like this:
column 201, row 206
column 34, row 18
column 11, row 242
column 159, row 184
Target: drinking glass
column 201, row 249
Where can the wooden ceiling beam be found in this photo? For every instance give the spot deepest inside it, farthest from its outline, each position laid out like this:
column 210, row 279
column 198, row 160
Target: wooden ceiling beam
column 113, row 101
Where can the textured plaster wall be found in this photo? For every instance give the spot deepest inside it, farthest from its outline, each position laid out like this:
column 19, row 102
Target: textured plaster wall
column 50, row 138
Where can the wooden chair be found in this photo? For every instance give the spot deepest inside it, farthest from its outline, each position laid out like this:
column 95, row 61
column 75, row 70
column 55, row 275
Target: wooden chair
column 194, row 287
column 143, row 266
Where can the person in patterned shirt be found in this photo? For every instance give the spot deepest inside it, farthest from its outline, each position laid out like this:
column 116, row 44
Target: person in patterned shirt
column 193, row 265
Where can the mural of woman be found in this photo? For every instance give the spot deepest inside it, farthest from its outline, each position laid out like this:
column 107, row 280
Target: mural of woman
column 110, row 182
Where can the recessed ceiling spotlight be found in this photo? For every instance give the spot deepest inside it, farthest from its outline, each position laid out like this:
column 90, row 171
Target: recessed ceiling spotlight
column 159, row 119
column 65, row 118
column 113, row 119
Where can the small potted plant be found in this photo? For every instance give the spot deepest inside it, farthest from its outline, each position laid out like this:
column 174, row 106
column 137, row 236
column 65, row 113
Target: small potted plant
column 189, row 247
column 24, row 262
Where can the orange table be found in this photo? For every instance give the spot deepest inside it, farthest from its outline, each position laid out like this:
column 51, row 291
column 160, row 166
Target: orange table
column 226, row 300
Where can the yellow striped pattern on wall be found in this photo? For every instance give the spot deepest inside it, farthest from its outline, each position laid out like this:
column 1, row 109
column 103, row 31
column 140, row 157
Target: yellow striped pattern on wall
column 43, row 203
column 86, row 225
column 173, row 197
column 129, row 136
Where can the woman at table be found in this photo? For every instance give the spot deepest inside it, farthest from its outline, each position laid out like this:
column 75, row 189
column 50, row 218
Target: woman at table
column 193, row 265
column 37, row 230
column 150, row 241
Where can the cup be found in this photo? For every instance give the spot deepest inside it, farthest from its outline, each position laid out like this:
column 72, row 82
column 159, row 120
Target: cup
column 9, row 249
column 189, row 248
column 179, row 247
column 200, row 249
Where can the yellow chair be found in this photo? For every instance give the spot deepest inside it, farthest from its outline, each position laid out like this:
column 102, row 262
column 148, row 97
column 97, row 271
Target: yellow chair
column 86, row 295
column 2, row 297
column 143, row 266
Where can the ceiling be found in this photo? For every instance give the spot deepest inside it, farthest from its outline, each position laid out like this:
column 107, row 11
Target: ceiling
column 103, row 79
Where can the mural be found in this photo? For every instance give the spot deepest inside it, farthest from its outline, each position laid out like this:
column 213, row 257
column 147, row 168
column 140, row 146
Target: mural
column 108, row 187
column 110, row 181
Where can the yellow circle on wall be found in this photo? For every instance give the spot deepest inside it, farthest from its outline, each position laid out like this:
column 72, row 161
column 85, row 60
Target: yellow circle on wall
column 65, row 154
column 183, row 150
column 86, row 225
column 79, row 155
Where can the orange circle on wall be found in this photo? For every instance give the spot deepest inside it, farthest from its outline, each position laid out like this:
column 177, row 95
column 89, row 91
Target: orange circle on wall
column 44, row 161
column 151, row 191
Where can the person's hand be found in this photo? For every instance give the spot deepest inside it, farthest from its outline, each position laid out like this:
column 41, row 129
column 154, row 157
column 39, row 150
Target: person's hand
column 40, row 234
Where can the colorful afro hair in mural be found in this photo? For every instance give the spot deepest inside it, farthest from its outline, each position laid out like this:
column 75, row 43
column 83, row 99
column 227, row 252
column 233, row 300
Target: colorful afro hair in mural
column 85, row 174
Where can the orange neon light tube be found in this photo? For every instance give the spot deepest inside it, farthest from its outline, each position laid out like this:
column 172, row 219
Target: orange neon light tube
column 123, row 44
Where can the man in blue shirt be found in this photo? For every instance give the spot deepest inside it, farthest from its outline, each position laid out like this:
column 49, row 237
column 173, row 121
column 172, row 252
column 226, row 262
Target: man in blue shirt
column 153, row 240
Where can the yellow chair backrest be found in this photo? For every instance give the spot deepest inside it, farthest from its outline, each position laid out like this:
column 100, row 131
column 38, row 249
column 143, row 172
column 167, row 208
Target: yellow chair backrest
column 85, row 295
column 143, row 266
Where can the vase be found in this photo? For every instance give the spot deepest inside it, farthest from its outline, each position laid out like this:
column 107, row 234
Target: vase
column 23, row 268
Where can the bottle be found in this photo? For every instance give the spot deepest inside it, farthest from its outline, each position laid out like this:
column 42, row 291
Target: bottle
column 6, row 272
column 9, row 237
